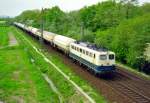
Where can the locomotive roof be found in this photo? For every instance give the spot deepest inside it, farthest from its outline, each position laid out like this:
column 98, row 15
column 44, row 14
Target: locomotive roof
column 49, row 33
column 91, row 46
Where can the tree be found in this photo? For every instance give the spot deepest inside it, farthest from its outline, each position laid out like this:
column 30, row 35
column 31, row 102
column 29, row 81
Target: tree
column 129, row 4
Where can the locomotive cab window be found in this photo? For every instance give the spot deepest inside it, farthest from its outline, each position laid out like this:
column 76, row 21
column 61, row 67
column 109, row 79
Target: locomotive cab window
column 103, row 57
column 111, row 56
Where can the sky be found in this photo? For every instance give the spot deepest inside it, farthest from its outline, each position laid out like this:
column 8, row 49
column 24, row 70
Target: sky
column 15, row 7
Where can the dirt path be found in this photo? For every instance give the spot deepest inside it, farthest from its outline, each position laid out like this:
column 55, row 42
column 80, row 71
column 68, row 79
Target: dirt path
column 12, row 39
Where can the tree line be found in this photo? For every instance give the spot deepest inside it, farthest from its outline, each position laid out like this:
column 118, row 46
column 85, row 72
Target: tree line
column 122, row 26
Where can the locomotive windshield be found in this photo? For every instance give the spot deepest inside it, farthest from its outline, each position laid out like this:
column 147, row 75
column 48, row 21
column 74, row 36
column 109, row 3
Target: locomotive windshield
column 111, row 56
column 103, row 57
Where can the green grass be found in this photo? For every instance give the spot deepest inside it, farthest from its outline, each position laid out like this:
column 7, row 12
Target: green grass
column 65, row 88
column 20, row 80
column 4, row 36
column 2, row 22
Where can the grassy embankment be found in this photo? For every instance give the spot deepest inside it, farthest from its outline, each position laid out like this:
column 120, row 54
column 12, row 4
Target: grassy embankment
column 20, row 81
column 3, row 36
column 65, row 88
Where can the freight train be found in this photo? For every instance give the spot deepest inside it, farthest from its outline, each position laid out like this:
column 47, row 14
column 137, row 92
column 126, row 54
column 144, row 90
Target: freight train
column 97, row 60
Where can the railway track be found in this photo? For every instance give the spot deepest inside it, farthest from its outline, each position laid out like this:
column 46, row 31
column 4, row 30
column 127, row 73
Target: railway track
column 140, row 85
column 134, row 77
column 124, row 88
column 129, row 91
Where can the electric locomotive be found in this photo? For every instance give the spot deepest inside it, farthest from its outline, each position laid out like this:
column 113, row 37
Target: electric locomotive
column 99, row 60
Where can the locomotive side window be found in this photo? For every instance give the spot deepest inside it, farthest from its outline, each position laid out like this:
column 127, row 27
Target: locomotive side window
column 90, row 54
column 75, row 48
column 72, row 47
column 111, row 56
column 94, row 55
column 103, row 57
column 83, row 51
column 87, row 52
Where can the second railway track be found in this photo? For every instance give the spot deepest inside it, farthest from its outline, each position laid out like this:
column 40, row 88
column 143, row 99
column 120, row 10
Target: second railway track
column 136, row 97
column 130, row 89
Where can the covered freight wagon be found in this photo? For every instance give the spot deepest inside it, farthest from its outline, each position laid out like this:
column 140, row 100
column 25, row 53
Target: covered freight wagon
column 49, row 36
column 63, row 43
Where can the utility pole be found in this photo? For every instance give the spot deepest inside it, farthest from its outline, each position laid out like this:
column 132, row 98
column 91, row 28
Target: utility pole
column 82, row 31
column 42, row 26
